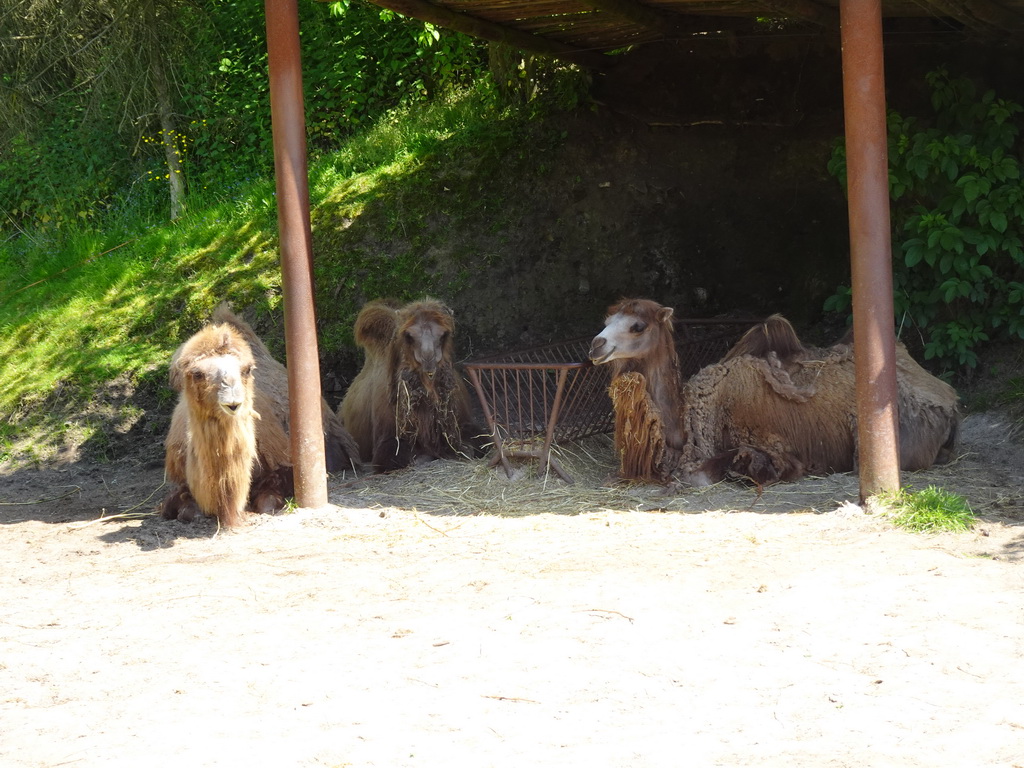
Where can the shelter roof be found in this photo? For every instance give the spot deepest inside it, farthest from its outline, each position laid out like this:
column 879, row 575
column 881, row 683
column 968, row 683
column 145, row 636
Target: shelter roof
column 584, row 31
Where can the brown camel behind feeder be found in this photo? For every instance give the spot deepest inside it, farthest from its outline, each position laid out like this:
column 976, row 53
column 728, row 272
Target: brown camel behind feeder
column 772, row 410
column 408, row 403
column 228, row 447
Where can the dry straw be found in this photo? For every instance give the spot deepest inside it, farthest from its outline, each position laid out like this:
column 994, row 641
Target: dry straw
column 476, row 488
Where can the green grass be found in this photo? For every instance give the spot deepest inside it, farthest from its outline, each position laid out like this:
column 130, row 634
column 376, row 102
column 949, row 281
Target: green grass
column 110, row 301
column 929, row 510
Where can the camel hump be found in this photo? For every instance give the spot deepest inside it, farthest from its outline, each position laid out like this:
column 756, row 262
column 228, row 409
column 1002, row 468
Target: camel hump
column 427, row 306
column 223, row 314
column 376, row 325
column 775, row 334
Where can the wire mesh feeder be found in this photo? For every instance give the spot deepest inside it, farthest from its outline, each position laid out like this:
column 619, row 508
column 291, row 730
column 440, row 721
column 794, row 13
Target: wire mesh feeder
column 536, row 396
column 702, row 341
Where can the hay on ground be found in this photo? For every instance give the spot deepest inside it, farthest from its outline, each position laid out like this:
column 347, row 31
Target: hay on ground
column 450, row 487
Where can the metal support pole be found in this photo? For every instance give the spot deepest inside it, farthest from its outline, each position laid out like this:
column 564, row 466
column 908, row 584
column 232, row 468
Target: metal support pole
column 288, row 122
column 870, row 245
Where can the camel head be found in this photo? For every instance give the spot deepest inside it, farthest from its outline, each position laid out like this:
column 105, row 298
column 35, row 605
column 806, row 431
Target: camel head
column 633, row 329
column 215, row 370
column 425, row 333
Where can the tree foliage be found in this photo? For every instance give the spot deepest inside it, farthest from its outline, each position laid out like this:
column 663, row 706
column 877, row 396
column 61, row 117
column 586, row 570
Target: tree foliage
column 85, row 79
column 105, row 97
column 958, row 220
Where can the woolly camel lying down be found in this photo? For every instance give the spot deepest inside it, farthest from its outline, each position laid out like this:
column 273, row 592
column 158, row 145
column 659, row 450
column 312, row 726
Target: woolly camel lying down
column 408, row 404
column 228, row 448
column 771, row 410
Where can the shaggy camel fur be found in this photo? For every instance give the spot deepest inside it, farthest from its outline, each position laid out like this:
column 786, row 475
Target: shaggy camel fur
column 228, row 448
column 638, row 342
column 340, row 450
column 408, row 403
column 772, row 410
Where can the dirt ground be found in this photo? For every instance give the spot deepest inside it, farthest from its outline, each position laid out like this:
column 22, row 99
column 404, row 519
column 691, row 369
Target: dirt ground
column 449, row 615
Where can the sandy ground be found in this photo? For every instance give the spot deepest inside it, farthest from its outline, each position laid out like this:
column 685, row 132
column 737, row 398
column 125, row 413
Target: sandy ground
column 414, row 624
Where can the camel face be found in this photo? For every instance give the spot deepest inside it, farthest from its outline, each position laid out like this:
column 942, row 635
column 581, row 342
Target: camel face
column 220, row 385
column 408, row 401
column 625, row 336
column 425, row 341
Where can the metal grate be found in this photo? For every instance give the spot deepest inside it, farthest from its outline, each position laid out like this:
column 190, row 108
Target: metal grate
column 536, row 396
column 702, row 341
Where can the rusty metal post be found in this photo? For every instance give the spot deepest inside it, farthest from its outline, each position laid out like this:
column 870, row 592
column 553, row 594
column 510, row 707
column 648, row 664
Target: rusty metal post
column 289, row 127
column 870, row 245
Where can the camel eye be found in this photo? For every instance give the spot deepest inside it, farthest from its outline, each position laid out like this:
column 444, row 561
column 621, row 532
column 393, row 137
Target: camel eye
column 196, row 375
column 247, row 371
column 408, row 338
column 638, row 327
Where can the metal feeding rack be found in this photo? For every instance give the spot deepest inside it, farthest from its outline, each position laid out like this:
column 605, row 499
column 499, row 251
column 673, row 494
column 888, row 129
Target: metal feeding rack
column 533, row 397
column 703, row 341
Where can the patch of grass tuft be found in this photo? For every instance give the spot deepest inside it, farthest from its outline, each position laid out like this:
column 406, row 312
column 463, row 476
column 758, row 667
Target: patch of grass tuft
column 928, row 510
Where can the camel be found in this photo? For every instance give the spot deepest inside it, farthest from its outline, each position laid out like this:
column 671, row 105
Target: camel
column 771, row 410
column 228, row 448
column 408, row 404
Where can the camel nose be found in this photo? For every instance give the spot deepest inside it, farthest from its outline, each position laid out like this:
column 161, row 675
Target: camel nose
column 230, row 396
column 428, row 362
column 597, row 348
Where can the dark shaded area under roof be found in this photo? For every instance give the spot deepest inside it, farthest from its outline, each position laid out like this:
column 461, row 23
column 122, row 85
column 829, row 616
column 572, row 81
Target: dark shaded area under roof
column 585, row 31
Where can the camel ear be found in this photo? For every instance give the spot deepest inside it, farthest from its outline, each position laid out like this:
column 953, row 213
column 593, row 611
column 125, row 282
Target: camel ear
column 174, row 372
column 174, row 376
column 665, row 315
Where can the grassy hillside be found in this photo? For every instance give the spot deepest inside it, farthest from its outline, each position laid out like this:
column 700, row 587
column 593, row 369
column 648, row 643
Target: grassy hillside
column 90, row 318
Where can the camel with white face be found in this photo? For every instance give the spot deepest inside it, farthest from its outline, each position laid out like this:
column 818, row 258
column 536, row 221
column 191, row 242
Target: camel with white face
column 228, row 448
column 771, row 410
column 638, row 342
column 217, row 440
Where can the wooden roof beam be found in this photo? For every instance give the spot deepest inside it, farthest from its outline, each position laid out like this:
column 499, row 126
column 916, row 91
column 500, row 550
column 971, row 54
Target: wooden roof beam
column 488, row 30
column 991, row 15
column 805, row 10
column 652, row 18
column 981, row 16
column 644, row 15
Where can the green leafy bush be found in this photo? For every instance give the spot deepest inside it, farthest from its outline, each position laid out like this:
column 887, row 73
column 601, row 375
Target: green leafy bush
column 66, row 173
column 81, row 152
column 958, row 221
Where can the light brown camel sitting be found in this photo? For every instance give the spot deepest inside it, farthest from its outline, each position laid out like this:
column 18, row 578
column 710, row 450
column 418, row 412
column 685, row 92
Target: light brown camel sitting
column 771, row 410
column 228, row 448
column 408, row 404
